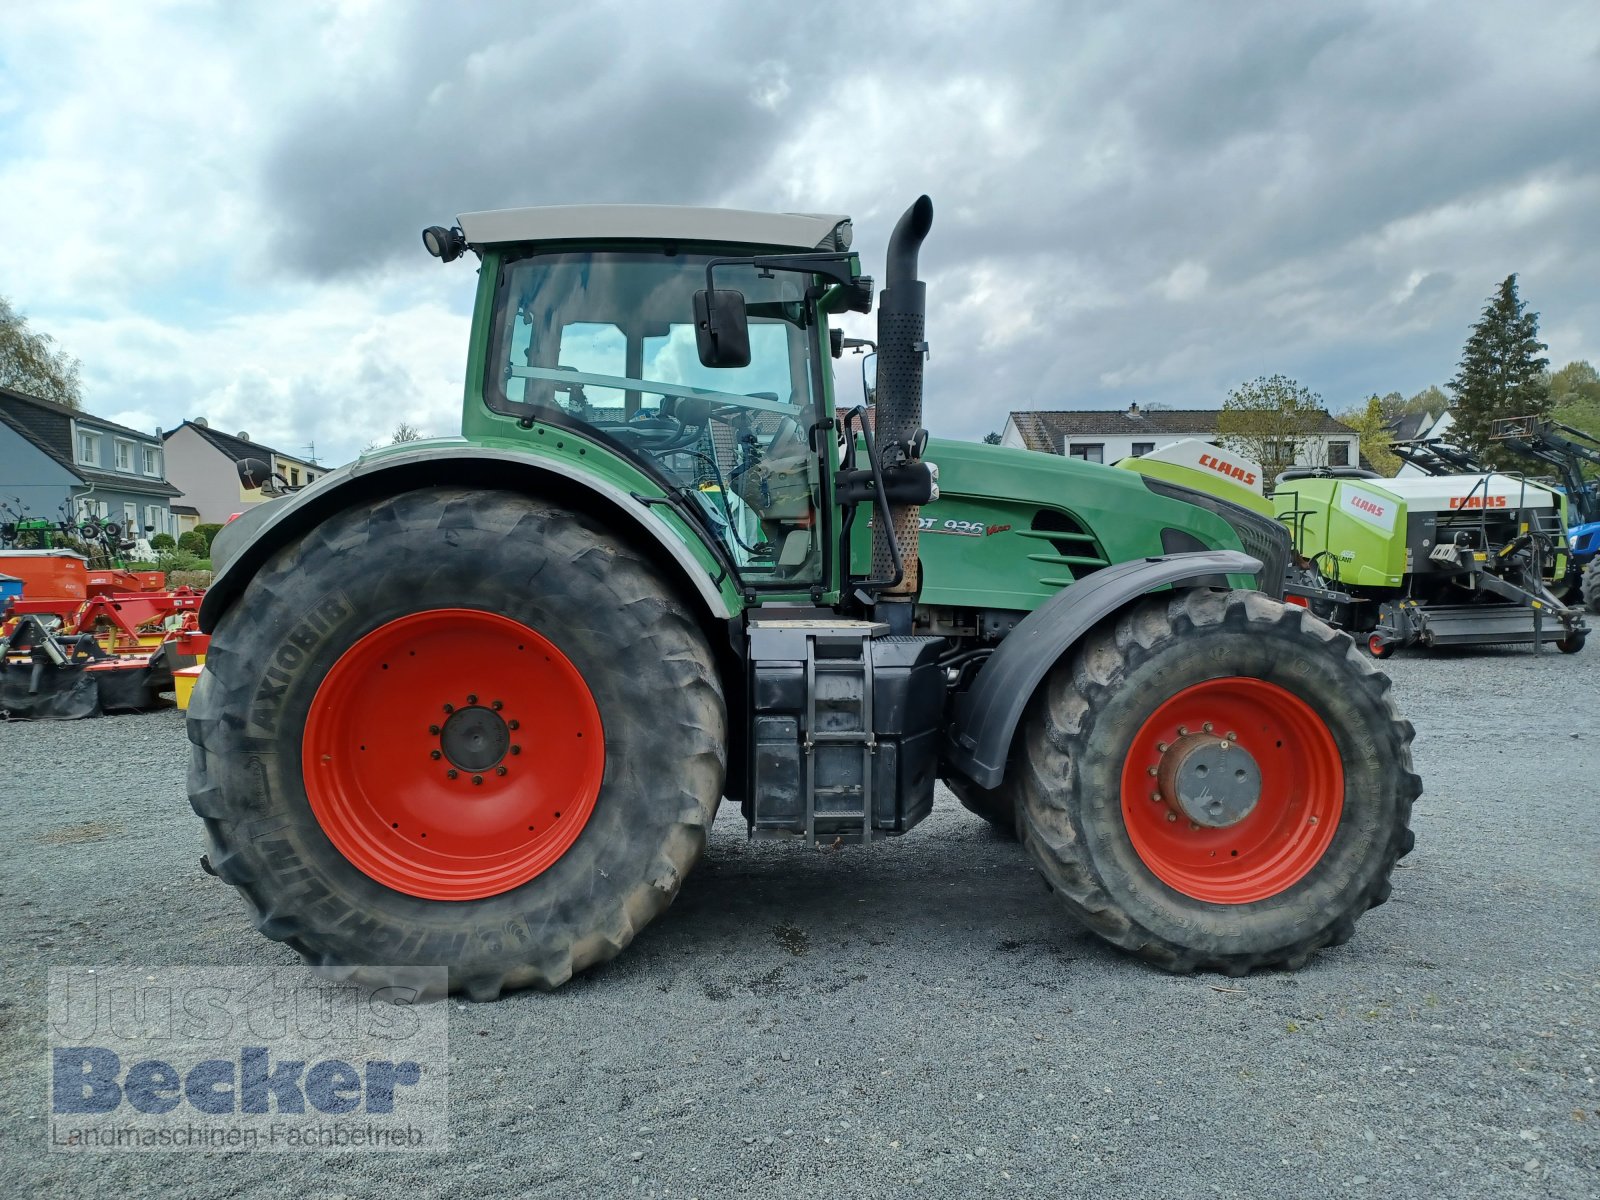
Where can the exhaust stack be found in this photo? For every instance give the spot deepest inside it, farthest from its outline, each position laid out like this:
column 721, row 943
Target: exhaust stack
column 897, row 417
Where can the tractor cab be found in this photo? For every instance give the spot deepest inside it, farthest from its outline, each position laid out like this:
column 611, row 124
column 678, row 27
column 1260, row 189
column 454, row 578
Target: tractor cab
column 604, row 321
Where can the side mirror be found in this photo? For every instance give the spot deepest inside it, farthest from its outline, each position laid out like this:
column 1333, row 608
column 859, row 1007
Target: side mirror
column 869, row 379
column 253, row 473
column 721, row 328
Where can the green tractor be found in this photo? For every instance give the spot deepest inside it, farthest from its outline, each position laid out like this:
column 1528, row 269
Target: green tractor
column 475, row 701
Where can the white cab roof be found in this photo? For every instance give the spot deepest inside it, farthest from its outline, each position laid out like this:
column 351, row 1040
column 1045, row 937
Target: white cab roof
column 656, row 222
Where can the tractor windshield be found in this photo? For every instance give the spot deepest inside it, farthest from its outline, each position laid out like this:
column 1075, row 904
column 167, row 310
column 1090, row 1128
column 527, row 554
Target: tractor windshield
column 606, row 341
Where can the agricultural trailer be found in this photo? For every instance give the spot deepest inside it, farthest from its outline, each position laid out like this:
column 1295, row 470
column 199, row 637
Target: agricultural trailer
column 475, row 701
column 1431, row 560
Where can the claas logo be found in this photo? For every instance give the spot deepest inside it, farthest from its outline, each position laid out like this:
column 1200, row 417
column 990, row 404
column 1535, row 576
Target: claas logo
column 1213, row 463
column 1367, row 506
column 1477, row 502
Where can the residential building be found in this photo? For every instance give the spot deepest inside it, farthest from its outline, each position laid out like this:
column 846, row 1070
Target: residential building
column 202, row 461
column 57, row 460
column 1106, row 435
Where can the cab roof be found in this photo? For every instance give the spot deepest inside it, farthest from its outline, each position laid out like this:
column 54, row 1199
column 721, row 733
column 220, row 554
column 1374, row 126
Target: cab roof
column 654, row 223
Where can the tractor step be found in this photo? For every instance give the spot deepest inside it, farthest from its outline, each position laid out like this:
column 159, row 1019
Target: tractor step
column 843, row 729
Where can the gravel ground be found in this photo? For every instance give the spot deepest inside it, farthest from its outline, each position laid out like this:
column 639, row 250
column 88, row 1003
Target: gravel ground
column 918, row 1018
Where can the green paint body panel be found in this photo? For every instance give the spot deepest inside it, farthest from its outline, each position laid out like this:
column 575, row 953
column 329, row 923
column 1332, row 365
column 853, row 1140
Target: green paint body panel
column 978, row 545
column 1357, row 526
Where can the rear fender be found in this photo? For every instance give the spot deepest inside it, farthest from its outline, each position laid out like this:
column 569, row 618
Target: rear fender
column 244, row 546
column 986, row 715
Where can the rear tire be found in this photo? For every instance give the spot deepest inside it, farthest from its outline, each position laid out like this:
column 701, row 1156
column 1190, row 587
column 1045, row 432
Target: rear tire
column 409, row 562
column 1591, row 585
column 1082, row 778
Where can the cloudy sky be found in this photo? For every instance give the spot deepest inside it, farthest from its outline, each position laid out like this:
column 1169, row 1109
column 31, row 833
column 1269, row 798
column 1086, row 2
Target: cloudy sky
column 216, row 206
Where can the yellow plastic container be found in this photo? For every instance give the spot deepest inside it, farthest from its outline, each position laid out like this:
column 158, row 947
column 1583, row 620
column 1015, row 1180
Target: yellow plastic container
column 183, row 681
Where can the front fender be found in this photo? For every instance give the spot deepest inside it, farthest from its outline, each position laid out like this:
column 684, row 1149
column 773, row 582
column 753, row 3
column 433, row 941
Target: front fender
column 987, row 713
column 244, row 546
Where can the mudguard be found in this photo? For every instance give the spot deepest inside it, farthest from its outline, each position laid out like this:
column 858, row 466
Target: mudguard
column 243, row 546
column 986, row 714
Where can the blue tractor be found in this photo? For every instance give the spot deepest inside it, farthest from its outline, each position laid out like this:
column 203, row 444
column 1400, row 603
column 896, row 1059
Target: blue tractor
column 1569, row 450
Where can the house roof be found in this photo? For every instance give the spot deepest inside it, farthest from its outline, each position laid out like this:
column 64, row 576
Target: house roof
column 235, row 447
column 1046, row 429
column 1408, row 426
column 48, row 426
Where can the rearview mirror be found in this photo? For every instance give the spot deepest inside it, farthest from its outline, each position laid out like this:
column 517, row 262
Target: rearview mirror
column 253, row 473
column 721, row 328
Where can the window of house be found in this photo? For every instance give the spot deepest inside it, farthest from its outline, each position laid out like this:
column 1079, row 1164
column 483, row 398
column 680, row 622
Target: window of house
column 294, row 476
column 124, row 456
column 152, row 464
column 130, row 519
column 1338, row 454
column 88, row 446
column 1088, row 451
column 1140, row 449
column 152, row 520
column 102, row 509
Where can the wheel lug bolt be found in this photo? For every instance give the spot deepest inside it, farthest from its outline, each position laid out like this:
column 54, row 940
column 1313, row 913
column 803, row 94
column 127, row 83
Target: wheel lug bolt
column 434, row 754
column 1162, row 747
column 1194, row 825
column 1152, row 771
column 502, row 771
column 496, row 705
column 1207, row 727
column 513, row 724
column 472, row 699
column 1231, row 736
column 1183, row 731
column 1156, row 796
column 477, row 779
column 449, row 774
column 433, row 729
column 449, row 708
column 1172, row 816
column 516, row 749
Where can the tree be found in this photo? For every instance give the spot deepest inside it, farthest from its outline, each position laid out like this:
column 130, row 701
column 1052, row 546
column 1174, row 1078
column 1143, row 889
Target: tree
column 1501, row 372
column 991, row 438
column 29, row 361
column 1371, row 421
column 1272, row 419
column 405, row 433
column 1575, row 397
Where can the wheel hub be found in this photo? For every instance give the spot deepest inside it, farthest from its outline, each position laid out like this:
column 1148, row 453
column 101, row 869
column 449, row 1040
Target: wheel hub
column 475, row 738
column 1213, row 781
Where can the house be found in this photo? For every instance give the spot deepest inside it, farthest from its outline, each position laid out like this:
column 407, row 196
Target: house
column 57, row 460
column 1106, row 435
column 202, row 461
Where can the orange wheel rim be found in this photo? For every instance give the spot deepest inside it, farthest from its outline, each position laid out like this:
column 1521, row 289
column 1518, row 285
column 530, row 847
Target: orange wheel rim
column 453, row 754
column 1232, row 790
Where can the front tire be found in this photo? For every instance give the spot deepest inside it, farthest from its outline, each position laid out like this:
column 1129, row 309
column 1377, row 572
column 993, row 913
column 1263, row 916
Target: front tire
column 1591, row 585
column 457, row 728
column 1240, row 685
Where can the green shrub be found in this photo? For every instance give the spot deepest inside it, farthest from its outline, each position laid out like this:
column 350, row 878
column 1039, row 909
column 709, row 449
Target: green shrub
column 181, row 560
column 163, row 541
column 209, row 532
column 194, row 542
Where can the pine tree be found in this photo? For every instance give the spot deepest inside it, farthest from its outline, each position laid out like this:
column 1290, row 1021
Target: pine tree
column 1501, row 372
